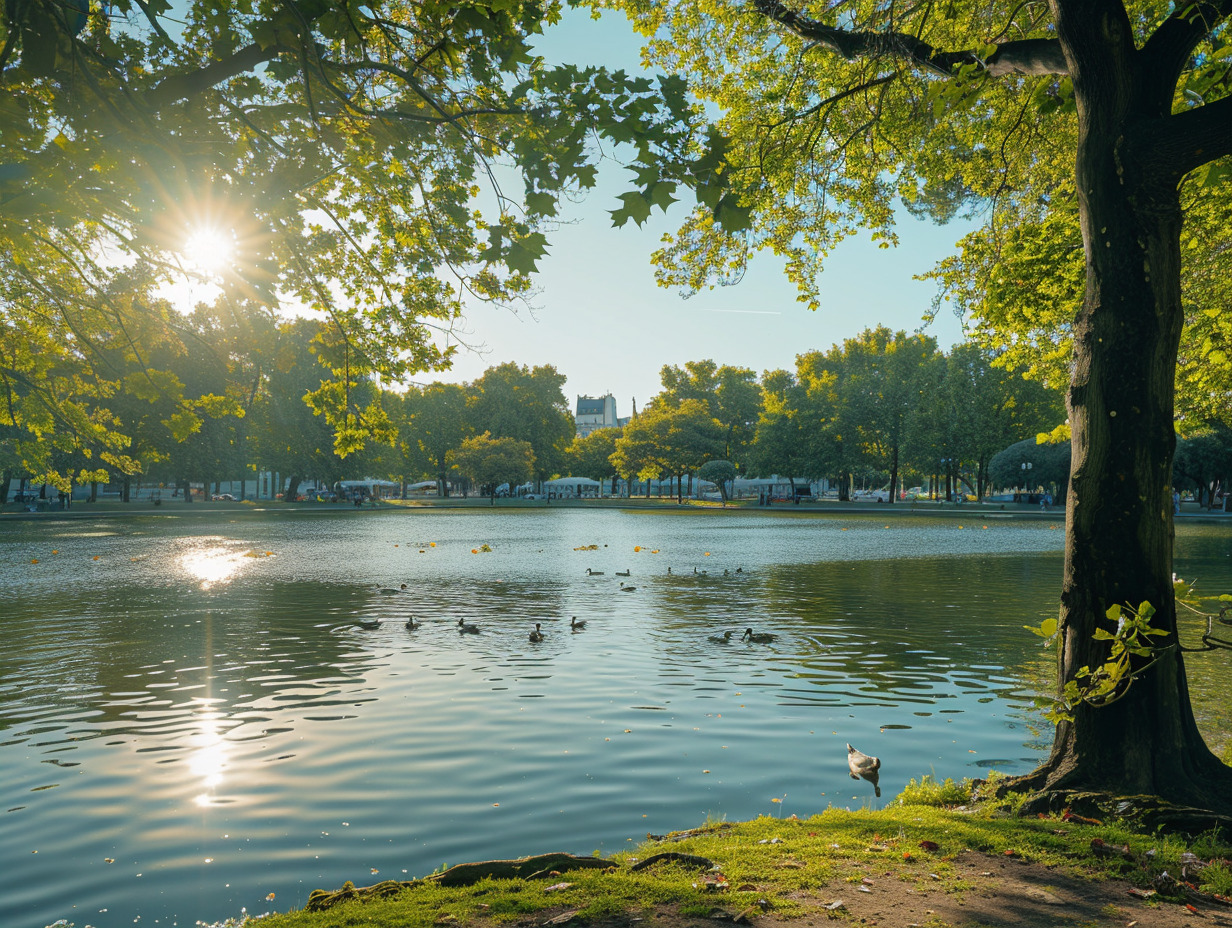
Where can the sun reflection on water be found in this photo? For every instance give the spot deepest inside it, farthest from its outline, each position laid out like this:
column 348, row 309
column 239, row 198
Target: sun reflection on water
column 212, row 565
column 209, row 756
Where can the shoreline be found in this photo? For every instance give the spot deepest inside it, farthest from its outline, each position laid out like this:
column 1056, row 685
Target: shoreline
column 11, row 512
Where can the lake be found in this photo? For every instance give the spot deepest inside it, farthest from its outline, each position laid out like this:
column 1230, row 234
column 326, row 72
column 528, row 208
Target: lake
column 194, row 719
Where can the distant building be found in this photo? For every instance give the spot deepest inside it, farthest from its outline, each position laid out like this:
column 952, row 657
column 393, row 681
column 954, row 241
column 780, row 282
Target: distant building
column 595, row 413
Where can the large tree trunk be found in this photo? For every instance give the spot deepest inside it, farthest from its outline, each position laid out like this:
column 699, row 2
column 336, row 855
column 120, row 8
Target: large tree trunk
column 1118, row 546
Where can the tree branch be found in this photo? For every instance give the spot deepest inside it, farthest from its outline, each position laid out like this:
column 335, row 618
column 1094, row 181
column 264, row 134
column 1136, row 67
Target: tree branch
column 1192, row 138
column 1167, row 51
column 1025, row 56
column 179, row 86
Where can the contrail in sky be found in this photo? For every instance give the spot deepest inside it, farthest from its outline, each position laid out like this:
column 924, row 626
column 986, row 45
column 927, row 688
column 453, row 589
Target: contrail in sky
column 746, row 312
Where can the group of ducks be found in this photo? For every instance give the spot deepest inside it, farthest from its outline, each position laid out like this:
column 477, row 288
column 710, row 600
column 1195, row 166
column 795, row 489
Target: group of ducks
column 749, row 635
column 468, row 628
column 862, row 766
column 624, row 587
column 536, row 636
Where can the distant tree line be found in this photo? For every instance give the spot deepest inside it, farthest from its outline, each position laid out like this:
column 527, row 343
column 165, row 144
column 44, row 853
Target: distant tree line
column 881, row 408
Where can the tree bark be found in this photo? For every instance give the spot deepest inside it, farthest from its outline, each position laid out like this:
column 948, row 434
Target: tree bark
column 1119, row 534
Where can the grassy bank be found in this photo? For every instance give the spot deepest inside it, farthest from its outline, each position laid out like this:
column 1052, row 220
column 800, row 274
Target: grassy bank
column 931, row 856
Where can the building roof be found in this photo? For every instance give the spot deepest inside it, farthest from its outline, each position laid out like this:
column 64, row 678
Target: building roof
column 586, row 406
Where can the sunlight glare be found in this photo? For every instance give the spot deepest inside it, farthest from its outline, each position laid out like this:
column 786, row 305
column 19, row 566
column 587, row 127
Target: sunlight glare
column 212, row 565
column 209, row 250
column 209, row 758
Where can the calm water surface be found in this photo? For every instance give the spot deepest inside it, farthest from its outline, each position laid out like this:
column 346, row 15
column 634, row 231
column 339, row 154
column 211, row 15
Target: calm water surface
column 192, row 719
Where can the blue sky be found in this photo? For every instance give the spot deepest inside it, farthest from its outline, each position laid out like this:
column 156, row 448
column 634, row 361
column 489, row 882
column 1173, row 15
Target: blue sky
column 599, row 318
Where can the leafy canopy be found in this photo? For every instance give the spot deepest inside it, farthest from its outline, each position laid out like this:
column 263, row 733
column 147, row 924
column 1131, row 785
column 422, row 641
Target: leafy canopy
column 374, row 163
column 837, row 111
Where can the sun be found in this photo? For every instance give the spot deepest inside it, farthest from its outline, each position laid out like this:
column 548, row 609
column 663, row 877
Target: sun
column 208, row 250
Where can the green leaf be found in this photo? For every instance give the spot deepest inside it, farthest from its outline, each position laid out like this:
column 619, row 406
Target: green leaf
column 1045, row 629
column 732, row 216
column 542, row 203
column 525, row 253
column 661, row 194
column 636, row 207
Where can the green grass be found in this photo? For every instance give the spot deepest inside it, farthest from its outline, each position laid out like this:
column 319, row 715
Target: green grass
column 1217, row 878
column 928, row 792
column 776, row 860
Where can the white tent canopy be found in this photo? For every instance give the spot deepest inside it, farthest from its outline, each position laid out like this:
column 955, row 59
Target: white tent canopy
column 571, row 482
column 572, row 487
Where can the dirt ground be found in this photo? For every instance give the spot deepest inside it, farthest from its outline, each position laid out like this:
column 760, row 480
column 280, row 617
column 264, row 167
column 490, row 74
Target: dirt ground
column 1001, row 892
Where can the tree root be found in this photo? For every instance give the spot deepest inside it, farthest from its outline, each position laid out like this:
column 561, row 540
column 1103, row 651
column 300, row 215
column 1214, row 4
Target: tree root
column 1148, row 813
column 527, row 868
column 689, row 860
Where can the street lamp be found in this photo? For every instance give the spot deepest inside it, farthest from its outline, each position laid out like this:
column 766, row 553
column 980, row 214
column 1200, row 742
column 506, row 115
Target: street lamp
column 1026, row 473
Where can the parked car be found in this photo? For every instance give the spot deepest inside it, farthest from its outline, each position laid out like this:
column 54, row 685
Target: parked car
column 871, row 496
column 223, row 497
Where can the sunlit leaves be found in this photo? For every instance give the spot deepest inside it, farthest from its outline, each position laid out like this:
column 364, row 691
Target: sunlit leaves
column 351, row 148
